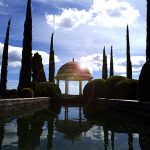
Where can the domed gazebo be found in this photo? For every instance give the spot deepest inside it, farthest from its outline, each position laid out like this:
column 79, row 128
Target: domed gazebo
column 72, row 71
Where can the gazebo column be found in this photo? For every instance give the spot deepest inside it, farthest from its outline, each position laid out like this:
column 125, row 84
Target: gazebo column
column 80, row 87
column 66, row 87
column 57, row 82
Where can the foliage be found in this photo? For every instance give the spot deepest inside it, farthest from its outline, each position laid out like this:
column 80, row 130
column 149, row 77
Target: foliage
column 111, row 63
column 5, row 63
column 144, row 80
column 111, row 83
column 27, row 93
column 127, row 89
column 129, row 64
column 104, row 66
column 12, row 93
column 148, row 31
column 47, row 89
column 52, row 62
column 95, row 88
column 38, row 74
column 25, row 72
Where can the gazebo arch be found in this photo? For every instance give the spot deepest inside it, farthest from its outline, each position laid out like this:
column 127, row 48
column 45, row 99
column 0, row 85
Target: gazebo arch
column 72, row 71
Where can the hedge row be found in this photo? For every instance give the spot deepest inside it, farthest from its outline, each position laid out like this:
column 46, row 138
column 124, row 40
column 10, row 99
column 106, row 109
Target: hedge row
column 115, row 87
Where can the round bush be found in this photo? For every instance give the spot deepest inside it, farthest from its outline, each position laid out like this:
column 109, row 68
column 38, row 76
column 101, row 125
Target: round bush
column 27, row 93
column 127, row 89
column 144, row 83
column 12, row 93
column 111, row 83
column 95, row 89
column 47, row 89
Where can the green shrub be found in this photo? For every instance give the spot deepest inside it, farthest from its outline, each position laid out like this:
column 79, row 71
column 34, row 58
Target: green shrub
column 95, row 88
column 12, row 93
column 144, row 83
column 127, row 89
column 47, row 89
column 27, row 93
column 111, row 83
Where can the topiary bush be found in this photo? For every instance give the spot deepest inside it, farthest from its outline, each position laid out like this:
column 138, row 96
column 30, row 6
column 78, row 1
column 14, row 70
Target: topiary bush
column 12, row 93
column 95, row 89
column 47, row 89
column 127, row 89
column 144, row 83
column 111, row 83
column 27, row 93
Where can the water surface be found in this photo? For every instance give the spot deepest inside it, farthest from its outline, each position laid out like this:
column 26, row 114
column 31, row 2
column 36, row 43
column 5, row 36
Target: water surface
column 74, row 128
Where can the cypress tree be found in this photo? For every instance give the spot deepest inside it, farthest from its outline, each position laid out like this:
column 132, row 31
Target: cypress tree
column 129, row 64
column 25, row 73
column 144, row 78
column 148, row 31
column 111, row 63
column 5, row 63
column 52, row 62
column 38, row 74
column 104, row 66
column 106, row 70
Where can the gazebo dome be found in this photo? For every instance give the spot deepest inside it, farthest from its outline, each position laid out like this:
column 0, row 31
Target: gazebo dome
column 72, row 71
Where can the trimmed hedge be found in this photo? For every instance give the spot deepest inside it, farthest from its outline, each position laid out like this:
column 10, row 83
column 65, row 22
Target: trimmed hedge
column 95, row 88
column 127, row 89
column 13, row 93
column 27, row 93
column 111, row 83
column 144, row 83
column 47, row 89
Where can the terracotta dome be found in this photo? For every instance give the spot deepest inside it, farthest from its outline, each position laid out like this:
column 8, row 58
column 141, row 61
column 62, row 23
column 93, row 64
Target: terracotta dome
column 72, row 71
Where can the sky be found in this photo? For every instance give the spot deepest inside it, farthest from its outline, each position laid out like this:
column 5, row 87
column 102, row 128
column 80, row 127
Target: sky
column 81, row 30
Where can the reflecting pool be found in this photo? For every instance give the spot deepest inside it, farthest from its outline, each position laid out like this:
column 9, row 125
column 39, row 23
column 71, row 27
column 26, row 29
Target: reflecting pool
column 74, row 128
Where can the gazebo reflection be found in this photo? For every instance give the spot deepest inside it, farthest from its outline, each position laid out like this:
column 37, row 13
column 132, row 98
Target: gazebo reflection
column 72, row 128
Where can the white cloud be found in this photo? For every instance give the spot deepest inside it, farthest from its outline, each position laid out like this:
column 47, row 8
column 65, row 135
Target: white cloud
column 15, row 55
column 3, row 4
column 95, row 133
column 109, row 13
column 94, row 63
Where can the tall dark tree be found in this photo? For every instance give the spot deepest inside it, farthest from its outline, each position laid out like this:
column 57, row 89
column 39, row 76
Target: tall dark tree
column 111, row 63
column 104, row 66
column 25, row 73
column 5, row 63
column 129, row 64
column 52, row 62
column 38, row 74
column 144, row 78
column 148, row 31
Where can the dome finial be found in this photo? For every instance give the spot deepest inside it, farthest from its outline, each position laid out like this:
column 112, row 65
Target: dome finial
column 73, row 59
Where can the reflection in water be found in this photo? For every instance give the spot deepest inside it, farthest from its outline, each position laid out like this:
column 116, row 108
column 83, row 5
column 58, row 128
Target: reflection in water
column 74, row 128
column 50, row 134
column 130, row 141
column 105, row 137
column 2, row 131
column 112, row 139
column 35, row 133
column 23, row 134
column 144, row 138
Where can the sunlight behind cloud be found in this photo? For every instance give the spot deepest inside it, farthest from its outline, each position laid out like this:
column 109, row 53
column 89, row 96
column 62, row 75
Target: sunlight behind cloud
column 94, row 63
column 112, row 13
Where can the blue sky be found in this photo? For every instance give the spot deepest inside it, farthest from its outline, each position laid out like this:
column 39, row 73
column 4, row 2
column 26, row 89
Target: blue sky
column 82, row 28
